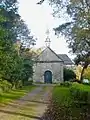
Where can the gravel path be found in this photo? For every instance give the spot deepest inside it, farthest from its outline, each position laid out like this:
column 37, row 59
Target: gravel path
column 30, row 107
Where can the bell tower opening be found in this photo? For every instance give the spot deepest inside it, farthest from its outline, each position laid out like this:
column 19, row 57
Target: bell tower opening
column 47, row 41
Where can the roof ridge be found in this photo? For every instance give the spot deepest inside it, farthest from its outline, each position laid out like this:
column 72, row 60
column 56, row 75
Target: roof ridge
column 55, row 54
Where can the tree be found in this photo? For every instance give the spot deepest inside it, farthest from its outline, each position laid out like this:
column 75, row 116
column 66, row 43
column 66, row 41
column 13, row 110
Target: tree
column 24, row 34
column 9, row 10
column 35, row 52
column 12, row 65
column 78, row 71
column 27, row 68
column 84, row 60
column 8, row 56
column 40, row 2
column 14, row 23
column 77, row 30
column 87, row 73
column 69, row 74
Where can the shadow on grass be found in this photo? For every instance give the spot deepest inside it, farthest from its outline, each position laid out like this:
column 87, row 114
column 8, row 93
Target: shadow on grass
column 32, row 101
column 10, row 96
column 15, row 94
column 21, row 114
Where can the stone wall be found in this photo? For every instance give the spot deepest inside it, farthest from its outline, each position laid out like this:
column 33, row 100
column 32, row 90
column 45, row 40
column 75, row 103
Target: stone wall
column 55, row 68
column 48, row 60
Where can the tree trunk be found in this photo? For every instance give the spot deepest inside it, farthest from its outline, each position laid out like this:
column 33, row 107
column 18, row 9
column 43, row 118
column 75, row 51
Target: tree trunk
column 13, row 85
column 82, row 72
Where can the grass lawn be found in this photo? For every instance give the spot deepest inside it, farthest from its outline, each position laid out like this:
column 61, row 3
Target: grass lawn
column 81, row 87
column 62, row 95
column 66, row 104
column 6, row 97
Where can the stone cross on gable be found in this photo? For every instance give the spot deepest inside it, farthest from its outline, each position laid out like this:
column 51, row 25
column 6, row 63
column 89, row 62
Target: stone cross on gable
column 47, row 41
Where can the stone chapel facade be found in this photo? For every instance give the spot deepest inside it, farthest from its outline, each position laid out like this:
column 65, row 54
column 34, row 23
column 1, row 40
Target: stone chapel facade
column 49, row 66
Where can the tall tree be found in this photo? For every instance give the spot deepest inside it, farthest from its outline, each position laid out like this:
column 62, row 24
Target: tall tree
column 14, row 23
column 77, row 30
column 11, row 27
column 8, row 9
column 27, row 68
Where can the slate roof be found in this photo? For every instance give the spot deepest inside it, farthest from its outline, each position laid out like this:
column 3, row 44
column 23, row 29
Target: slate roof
column 63, row 57
column 66, row 59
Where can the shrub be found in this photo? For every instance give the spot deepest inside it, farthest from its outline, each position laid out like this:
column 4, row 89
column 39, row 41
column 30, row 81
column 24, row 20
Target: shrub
column 18, row 84
column 69, row 74
column 5, row 86
column 29, row 82
column 66, row 84
column 79, row 94
column 68, row 103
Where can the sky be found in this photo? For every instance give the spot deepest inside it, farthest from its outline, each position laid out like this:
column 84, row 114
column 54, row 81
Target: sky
column 39, row 18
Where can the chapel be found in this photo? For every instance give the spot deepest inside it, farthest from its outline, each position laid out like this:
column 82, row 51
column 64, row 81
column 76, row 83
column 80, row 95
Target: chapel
column 49, row 66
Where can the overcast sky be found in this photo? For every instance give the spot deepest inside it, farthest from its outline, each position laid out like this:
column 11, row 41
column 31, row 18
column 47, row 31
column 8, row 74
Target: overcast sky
column 39, row 18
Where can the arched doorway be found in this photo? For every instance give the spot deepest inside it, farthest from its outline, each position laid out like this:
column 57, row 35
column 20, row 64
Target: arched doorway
column 48, row 76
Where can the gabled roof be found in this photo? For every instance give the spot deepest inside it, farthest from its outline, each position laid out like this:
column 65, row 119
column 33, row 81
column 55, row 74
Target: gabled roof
column 57, row 57
column 66, row 59
column 56, row 54
column 48, row 55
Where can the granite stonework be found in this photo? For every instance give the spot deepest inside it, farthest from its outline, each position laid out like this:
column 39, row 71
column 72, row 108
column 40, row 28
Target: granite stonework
column 55, row 68
column 48, row 60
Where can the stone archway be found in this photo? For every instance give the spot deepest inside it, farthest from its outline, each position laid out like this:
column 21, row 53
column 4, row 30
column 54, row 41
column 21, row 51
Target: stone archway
column 48, row 77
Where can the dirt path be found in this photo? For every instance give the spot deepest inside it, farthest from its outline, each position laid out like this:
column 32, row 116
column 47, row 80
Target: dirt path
column 30, row 107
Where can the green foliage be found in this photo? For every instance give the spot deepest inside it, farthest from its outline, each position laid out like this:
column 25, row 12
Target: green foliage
column 7, row 97
column 18, row 84
column 69, row 74
column 66, row 84
column 59, row 105
column 69, row 103
column 27, row 83
column 28, row 71
column 77, row 29
column 78, row 94
column 13, row 66
column 9, row 10
column 87, row 73
column 5, row 86
column 27, row 68
column 61, row 95
column 8, row 56
column 84, row 60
